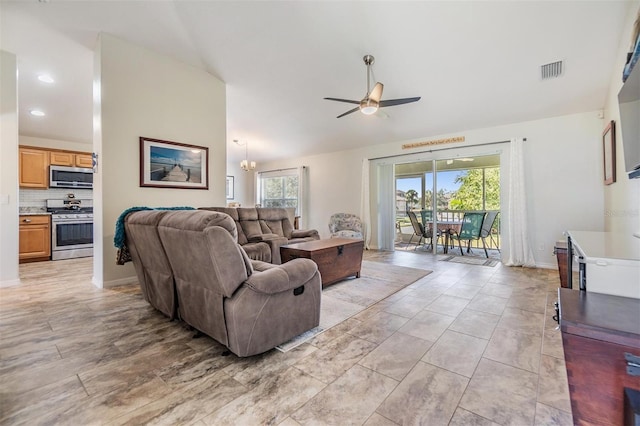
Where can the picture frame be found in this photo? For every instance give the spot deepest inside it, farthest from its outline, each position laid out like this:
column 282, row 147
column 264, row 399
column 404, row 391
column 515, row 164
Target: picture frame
column 230, row 189
column 167, row 164
column 609, row 152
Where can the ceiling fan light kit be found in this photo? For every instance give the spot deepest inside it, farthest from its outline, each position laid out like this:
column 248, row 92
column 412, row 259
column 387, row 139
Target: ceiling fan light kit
column 368, row 106
column 371, row 102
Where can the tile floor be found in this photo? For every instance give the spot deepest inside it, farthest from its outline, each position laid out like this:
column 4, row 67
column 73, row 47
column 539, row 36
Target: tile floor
column 465, row 345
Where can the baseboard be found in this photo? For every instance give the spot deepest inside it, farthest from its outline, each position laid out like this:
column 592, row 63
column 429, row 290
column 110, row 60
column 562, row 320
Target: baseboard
column 543, row 265
column 118, row 282
column 9, row 283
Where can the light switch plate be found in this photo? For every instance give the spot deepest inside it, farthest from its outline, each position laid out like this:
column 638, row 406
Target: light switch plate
column 4, row 199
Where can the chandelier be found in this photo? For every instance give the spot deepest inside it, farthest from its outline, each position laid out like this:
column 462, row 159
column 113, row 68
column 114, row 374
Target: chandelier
column 245, row 164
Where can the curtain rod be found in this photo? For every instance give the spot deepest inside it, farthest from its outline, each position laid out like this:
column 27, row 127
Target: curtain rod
column 439, row 149
column 281, row 170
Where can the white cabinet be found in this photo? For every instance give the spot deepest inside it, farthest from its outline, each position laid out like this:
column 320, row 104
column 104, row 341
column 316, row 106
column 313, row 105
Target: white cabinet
column 608, row 262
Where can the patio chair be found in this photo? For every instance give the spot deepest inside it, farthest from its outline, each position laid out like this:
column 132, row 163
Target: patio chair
column 470, row 230
column 419, row 230
column 487, row 226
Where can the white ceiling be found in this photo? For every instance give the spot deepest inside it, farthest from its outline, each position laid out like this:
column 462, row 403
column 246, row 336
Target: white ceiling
column 475, row 64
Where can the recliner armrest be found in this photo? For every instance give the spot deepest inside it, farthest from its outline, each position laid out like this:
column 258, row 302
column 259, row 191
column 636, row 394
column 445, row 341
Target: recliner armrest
column 281, row 278
column 303, row 233
column 256, row 238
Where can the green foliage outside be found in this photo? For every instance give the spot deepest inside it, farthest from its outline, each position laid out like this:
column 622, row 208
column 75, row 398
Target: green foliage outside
column 412, row 198
column 441, row 199
column 469, row 195
column 281, row 191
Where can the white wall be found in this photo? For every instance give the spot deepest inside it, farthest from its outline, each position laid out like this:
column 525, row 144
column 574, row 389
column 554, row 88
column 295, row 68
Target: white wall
column 244, row 182
column 140, row 93
column 562, row 155
column 9, row 171
column 622, row 198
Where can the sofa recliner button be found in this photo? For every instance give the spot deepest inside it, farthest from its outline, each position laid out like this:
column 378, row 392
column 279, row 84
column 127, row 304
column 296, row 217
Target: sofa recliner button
column 298, row 290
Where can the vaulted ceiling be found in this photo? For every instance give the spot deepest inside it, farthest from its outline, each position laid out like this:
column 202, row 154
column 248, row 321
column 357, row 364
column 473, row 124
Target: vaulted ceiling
column 475, row 64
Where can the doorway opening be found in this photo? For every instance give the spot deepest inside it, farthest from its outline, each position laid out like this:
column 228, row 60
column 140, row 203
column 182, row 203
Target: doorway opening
column 439, row 193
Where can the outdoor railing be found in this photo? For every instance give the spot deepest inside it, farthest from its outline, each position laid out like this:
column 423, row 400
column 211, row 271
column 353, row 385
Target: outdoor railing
column 403, row 224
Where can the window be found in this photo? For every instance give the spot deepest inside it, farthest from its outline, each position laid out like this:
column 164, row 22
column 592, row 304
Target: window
column 280, row 188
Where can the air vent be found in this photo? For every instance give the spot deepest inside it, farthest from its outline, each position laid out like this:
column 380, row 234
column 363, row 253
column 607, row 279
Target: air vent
column 552, row 70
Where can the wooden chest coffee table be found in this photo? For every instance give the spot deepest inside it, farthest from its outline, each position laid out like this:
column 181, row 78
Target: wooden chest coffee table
column 337, row 258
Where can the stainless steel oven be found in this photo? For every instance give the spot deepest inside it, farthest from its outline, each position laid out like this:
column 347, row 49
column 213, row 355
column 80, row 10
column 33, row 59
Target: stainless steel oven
column 71, row 230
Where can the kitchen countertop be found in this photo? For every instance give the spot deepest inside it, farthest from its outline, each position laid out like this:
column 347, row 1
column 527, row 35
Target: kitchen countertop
column 32, row 211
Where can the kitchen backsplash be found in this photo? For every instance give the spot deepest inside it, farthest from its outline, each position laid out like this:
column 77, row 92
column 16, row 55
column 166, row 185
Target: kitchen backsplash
column 39, row 197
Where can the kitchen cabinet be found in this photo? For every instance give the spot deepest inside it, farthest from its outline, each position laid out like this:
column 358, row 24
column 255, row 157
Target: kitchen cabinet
column 62, row 158
column 71, row 159
column 35, row 238
column 84, row 160
column 34, row 164
column 33, row 168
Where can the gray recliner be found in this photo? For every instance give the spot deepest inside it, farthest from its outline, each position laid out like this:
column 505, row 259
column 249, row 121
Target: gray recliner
column 150, row 260
column 262, row 231
column 246, row 305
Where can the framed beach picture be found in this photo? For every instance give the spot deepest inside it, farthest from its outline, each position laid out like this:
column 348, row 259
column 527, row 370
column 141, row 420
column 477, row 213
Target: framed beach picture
column 609, row 151
column 230, row 187
column 165, row 164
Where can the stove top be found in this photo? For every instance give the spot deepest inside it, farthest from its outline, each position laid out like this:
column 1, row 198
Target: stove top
column 66, row 210
column 70, row 206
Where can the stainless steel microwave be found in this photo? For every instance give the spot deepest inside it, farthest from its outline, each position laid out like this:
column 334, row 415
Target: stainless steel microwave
column 70, row 177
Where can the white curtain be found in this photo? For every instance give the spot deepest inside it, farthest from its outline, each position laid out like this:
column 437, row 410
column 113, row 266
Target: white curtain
column 302, row 195
column 386, row 207
column 365, row 207
column 520, row 253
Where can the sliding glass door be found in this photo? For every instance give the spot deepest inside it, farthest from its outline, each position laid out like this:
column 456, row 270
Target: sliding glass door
column 440, row 192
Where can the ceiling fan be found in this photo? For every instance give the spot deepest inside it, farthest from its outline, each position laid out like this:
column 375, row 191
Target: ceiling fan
column 371, row 101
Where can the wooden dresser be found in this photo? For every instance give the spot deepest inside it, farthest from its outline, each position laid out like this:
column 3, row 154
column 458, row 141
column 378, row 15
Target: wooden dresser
column 597, row 331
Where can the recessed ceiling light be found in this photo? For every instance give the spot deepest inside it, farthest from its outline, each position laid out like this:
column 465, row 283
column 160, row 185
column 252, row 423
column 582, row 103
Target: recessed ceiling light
column 37, row 113
column 45, row 78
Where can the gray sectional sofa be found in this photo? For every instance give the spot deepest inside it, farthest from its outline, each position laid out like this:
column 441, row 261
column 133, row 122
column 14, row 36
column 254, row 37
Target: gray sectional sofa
column 261, row 231
column 189, row 264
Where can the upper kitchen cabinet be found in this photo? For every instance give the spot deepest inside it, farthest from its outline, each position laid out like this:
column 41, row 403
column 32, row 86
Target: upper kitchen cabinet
column 84, row 160
column 62, row 158
column 71, row 159
column 33, row 168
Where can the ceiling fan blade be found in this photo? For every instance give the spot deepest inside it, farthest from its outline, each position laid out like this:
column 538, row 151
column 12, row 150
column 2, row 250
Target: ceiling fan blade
column 376, row 93
column 349, row 112
column 349, row 101
column 392, row 102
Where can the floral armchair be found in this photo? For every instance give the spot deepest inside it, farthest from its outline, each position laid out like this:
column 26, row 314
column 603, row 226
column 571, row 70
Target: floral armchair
column 345, row 225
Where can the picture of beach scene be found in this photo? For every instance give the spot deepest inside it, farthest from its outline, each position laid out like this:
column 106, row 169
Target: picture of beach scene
column 175, row 165
column 172, row 164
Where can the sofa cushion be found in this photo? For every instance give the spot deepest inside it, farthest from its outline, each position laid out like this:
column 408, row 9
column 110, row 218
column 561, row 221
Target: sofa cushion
column 258, row 251
column 233, row 212
column 275, row 221
column 248, row 219
column 178, row 229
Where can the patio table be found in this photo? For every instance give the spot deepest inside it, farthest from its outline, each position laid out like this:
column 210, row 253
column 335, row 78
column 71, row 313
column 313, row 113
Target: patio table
column 446, row 226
